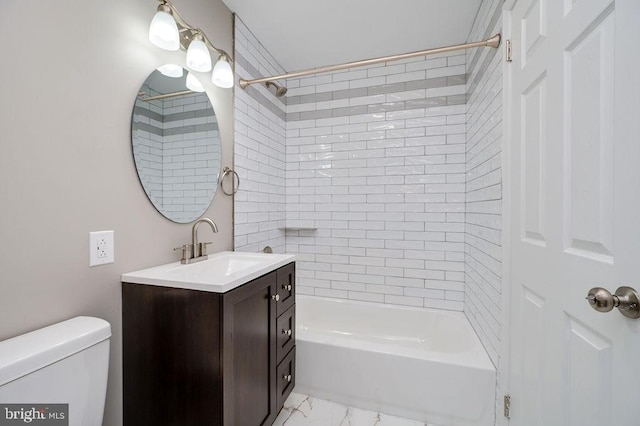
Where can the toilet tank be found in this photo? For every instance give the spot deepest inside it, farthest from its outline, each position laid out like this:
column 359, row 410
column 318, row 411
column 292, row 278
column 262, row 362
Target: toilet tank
column 65, row 363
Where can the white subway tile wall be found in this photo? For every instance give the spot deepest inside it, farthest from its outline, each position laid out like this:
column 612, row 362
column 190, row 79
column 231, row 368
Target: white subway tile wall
column 484, row 301
column 190, row 160
column 147, row 130
column 393, row 178
column 259, row 160
column 379, row 165
column 177, row 153
column 376, row 172
column 483, row 228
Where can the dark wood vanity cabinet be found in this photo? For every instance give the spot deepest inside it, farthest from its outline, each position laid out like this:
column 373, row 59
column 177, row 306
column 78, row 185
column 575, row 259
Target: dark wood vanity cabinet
column 200, row 358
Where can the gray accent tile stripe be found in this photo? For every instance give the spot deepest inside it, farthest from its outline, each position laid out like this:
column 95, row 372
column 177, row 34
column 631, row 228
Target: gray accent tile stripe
column 275, row 105
column 206, row 127
column 247, row 66
column 382, row 107
column 262, row 100
column 497, row 13
column 429, row 83
column 188, row 114
column 351, row 93
column 191, row 129
column 473, row 84
column 172, row 117
column 318, row 97
column 346, row 111
column 146, row 128
column 241, row 60
column 138, row 110
column 311, row 115
column 392, row 88
column 456, row 100
column 143, row 112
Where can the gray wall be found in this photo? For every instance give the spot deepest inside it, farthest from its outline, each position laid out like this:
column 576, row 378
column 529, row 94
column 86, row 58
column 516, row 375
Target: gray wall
column 70, row 73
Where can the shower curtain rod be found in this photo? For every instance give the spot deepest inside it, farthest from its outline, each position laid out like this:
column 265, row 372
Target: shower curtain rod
column 490, row 42
column 166, row 95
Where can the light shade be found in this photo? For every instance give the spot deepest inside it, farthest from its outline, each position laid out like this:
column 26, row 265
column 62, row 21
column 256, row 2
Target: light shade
column 222, row 74
column 198, row 58
column 171, row 70
column 163, row 31
column 194, row 84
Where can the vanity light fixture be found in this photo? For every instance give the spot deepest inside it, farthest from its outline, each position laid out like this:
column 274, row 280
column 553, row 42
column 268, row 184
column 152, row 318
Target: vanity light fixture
column 198, row 58
column 171, row 70
column 193, row 83
column 163, row 31
column 222, row 74
column 191, row 40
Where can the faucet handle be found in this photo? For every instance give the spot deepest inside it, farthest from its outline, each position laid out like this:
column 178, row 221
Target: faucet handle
column 186, row 252
column 203, row 248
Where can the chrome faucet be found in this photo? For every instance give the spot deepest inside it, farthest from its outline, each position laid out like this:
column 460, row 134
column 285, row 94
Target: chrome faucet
column 200, row 249
column 195, row 252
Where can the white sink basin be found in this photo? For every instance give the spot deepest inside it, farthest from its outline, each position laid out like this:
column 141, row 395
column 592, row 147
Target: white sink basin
column 220, row 273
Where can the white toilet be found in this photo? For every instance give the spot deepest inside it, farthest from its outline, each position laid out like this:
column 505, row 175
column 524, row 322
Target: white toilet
column 66, row 363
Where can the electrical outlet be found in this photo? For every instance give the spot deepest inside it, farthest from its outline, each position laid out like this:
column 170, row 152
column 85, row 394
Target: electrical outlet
column 101, row 248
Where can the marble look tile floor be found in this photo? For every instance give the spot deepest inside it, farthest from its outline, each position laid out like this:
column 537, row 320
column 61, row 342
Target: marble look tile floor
column 303, row 410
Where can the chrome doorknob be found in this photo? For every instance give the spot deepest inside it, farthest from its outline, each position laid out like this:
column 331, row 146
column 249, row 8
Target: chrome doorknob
column 601, row 299
column 625, row 299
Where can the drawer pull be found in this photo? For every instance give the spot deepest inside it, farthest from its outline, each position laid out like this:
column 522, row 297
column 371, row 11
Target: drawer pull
column 276, row 297
column 286, row 377
column 287, row 287
column 287, row 332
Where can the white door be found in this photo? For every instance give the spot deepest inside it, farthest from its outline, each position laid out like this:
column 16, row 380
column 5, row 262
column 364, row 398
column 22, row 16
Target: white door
column 574, row 107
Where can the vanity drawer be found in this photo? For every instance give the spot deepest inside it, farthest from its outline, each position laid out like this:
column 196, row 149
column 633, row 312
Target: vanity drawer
column 286, row 332
column 285, row 377
column 286, row 287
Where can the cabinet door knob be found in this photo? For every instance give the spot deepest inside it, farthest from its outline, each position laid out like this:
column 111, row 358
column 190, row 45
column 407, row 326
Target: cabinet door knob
column 286, row 377
column 287, row 332
column 276, row 297
column 287, row 287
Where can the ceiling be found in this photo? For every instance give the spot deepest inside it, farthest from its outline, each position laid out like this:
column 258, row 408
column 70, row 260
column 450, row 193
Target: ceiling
column 303, row 34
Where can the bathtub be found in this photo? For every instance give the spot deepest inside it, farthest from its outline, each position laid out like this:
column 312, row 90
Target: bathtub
column 422, row 364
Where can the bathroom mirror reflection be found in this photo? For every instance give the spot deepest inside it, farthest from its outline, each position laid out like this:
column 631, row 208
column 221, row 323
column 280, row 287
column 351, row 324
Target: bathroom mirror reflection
column 176, row 143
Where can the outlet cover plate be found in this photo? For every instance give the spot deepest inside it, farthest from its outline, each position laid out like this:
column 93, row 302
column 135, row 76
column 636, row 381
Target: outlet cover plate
column 101, row 249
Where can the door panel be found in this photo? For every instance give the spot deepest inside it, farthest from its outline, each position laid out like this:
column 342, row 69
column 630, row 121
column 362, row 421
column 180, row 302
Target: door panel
column 534, row 28
column 589, row 372
column 533, row 353
column 533, row 102
column 574, row 99
column 588, row 139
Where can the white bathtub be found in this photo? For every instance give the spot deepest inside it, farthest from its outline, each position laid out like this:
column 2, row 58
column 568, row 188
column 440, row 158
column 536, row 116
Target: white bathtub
column 422, row 364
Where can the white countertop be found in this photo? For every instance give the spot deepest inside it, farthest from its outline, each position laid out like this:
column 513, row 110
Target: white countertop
column 220, row 273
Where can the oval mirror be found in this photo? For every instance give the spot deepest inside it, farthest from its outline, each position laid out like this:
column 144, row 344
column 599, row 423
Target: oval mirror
column 176, row 143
